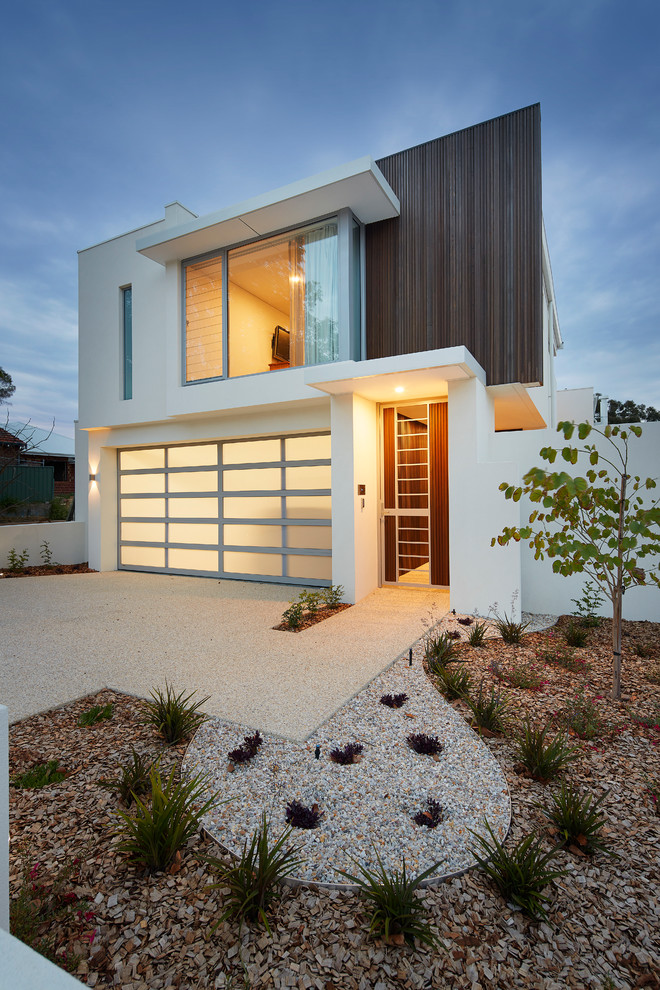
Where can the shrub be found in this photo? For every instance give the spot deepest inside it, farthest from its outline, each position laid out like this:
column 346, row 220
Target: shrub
column 588, row 604
column 247, row 750
column 510, row 631
column 582, row 717
column 544, row 758
column 454, row 683
column 439, row 651
column 521, row 874
column 478, row 634
column 577, row 819
column 293, row 615
column 18, row 561
column 154, row 834
column 423, row 744
column 133, row 779
column 347, row 754
column 467, row 621
column 310, row 600
column 575, row 635
column 489, row 711
column 46, row 554
column 521, row 676
column 253, row 877
column 41, row 775
column 433, row 815
column 394, row 700
column 299, row 816
column 172, row 715
column 97, row 713
column 59, row 510
column 396, row 913
column 331, row 597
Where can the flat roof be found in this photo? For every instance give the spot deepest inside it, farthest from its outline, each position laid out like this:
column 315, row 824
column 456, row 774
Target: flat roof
column 359, row 186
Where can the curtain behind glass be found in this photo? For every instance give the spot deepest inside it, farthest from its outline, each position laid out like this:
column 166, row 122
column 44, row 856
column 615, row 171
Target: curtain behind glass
column 321, row 299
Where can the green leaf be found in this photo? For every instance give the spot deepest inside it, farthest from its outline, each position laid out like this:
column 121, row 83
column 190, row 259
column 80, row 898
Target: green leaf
column 584, row 429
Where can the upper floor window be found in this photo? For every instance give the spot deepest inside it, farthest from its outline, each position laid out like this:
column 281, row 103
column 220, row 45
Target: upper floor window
column 271, row 304
column 127, row 341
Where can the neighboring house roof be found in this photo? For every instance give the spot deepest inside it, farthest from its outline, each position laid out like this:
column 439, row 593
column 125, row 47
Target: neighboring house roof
column 43, row 441
column 8, row 439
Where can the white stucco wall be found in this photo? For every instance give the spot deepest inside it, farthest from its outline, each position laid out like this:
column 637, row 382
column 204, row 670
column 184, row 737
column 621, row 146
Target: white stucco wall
column 575, row 405
column 67, row 542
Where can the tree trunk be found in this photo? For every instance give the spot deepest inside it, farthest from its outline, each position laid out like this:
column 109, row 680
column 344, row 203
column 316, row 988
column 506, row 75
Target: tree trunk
column 616, row 642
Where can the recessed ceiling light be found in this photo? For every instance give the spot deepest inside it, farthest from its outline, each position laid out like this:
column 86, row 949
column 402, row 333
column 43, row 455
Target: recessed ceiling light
column 399, row 388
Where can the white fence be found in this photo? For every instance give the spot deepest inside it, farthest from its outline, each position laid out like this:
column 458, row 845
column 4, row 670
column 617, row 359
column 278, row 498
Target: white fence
column 67, row 541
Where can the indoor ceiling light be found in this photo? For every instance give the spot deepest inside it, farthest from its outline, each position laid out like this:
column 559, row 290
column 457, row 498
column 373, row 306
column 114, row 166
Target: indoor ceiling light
column 399, row 388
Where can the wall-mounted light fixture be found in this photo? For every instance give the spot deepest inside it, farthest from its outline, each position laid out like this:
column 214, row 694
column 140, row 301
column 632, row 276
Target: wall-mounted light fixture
column 92, row 477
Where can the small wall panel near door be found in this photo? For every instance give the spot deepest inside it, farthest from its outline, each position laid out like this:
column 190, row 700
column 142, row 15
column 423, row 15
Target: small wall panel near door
column 439, row 491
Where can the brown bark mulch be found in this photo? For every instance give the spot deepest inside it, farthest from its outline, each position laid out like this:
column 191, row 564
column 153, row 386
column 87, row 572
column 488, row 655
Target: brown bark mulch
column 312, row 620
column 154, row 931
column 41, row 570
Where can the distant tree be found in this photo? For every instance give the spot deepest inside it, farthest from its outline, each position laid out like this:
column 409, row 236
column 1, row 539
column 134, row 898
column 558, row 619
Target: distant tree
column 7, row 387
column 631, row 412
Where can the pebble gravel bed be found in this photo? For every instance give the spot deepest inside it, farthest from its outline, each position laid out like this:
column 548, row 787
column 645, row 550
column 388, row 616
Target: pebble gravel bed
column 367, row 806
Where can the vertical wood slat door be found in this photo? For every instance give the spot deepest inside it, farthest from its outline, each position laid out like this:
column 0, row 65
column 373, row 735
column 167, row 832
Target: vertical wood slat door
column 415, row 494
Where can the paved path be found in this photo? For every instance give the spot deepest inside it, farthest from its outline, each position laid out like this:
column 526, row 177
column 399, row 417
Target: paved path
column 62, row 637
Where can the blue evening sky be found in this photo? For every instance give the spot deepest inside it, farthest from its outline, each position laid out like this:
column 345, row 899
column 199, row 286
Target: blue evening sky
column 111, row 110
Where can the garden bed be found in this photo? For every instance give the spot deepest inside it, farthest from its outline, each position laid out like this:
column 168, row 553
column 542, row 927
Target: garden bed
column 154, row 931
column 43, row 570
column 312, row 620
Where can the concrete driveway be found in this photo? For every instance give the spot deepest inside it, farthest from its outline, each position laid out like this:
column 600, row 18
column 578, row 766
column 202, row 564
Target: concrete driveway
column 62, row 637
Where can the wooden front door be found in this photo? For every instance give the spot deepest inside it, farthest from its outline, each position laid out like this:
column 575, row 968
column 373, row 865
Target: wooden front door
column 415, row 521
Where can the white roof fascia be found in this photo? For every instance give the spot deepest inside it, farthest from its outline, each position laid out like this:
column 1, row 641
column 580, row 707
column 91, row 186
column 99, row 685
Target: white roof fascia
column 550, row 286
column 359, row 185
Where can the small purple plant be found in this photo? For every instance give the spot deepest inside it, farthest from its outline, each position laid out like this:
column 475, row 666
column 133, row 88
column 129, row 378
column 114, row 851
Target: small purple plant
column 394, row 700
column 423, row 744
column 433, row 815
column 247, row 750
column 347, row 754
column 453, row 634
column 300, row 816
column 467, row 621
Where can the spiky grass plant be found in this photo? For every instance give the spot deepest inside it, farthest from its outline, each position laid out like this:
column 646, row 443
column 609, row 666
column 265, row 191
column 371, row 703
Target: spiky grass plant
column 41, row 775
column 510, row 631
column 575, row 634
column 253, row 877
column 95, row 714
column 396, row 913
column 152, row 835
column 578, row 818
column 132, row 780
column 522, row 873
column 477, row 635
column 489, row 711
column 439, row 651
column 454, row 682
column 174, row 716
column 544, row 757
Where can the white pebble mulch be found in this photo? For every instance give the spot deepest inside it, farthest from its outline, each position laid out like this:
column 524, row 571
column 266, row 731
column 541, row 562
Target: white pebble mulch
column 367, row 806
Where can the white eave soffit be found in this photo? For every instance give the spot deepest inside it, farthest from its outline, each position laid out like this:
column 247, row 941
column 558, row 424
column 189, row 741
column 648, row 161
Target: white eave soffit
column 359, row 186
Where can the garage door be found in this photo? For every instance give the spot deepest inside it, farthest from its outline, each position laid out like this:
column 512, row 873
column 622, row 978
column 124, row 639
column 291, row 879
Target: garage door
column 255, row 509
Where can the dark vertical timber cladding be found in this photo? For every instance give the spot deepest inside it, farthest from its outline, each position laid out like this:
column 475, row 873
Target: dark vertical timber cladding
column 389, row 471
column 462, row 264
column 439, row 477
column 390, row 548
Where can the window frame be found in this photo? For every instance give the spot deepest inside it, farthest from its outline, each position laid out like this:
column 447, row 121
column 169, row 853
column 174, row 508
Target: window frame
column 126, row 292
column 351, row 343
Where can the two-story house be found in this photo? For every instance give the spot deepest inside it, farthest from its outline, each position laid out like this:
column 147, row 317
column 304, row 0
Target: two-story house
column 307, row 387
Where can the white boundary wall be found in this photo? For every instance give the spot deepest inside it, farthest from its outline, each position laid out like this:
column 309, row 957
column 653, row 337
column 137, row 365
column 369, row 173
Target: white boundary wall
column 67, row 541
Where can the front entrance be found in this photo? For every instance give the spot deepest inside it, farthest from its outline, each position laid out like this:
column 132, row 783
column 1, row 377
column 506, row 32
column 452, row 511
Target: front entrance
column 415, row 519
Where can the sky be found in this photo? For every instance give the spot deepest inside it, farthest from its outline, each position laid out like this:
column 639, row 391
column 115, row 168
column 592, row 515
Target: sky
column 111, row 110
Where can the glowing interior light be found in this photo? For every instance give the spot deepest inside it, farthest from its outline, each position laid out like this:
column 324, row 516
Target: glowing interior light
column 294, row 278
column 399, row 388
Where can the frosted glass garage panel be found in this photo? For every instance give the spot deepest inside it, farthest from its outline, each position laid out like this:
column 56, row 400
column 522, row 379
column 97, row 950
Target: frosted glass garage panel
column 252, row 563
column 193, row 481
column 141, row 460
column 200, row 455
column 192, row 508
column 309, row 537
column 143, row 508
column 136, row 484
column 193, row 560
column 307, row 448
column 253, row 536
column 252, row 479
column 251, row 452
column 308, row 477
column 143, row 556
column 253, row 507
column 193, row 533
column 143, row 532
column 311, row 567
column 309, row 507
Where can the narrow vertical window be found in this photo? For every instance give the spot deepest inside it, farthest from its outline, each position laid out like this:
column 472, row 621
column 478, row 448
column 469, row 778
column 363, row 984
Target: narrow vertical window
column 127, row 322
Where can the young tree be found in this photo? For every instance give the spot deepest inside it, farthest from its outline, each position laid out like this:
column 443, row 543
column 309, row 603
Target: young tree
column 631, row 412
column 7, row 387
column 598, row 524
